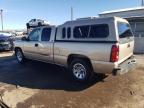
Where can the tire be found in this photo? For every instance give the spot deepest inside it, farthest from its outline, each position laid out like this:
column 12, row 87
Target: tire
column 19, row 55
column 28, row 26
column 81, row 70
column 39, row 24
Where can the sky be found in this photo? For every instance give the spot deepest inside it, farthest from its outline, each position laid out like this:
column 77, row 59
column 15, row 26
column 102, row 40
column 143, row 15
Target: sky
column 18, row 12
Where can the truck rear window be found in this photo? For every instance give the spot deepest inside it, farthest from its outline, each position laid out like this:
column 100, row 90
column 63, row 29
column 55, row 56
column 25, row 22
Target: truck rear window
column 124, row 30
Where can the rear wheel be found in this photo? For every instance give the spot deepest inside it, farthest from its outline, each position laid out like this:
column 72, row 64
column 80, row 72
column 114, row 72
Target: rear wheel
column 81, row 70
column 19, row 55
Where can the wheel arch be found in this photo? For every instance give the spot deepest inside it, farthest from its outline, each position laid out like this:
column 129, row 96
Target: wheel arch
column 16, row 48
column 71, row 57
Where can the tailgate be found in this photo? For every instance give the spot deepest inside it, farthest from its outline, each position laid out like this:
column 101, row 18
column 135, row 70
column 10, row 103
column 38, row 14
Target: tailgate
column 125, row 67
column 125, row 50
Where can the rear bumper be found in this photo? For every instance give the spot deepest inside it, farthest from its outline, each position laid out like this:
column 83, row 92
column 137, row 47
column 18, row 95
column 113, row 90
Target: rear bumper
column 103, row 67
column 125, row 67
column 114, row 68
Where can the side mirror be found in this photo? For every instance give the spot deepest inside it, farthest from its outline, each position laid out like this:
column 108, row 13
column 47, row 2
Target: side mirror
column 24, row 38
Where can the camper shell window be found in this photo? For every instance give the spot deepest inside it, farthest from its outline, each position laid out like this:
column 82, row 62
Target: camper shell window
column 91, row 31
column 124, row 30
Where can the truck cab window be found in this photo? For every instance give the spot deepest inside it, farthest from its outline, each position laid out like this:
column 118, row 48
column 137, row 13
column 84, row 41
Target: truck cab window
column 34, row 35
column 46, row 33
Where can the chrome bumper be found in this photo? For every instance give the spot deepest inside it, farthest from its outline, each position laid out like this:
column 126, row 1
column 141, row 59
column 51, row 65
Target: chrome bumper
column 5, row 46
column 125, row 67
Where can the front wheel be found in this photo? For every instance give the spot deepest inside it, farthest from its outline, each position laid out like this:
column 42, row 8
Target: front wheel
column 28, row 26
column 19, row 56
column 81, row 70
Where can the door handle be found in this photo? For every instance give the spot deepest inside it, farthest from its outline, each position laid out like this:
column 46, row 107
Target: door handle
column 36, row 45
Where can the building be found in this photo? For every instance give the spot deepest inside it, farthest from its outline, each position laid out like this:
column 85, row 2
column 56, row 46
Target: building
column 136, row 18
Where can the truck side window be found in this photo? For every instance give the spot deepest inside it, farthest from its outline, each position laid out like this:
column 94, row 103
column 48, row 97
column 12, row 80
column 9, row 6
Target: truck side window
column 91, row 31
column 63, row 32
column 81, row 31
column 99, row 31
column 34, row 35
column 46, row 33
column 68, row 32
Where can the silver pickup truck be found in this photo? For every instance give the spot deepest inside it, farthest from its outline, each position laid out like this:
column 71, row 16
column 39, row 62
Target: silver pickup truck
column 84, row 46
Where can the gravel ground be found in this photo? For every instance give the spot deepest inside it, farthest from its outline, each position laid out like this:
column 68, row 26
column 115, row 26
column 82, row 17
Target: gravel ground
column 40, row 85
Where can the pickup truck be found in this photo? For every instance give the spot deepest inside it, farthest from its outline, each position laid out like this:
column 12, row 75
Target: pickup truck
column 84, row 46
column 36, row 23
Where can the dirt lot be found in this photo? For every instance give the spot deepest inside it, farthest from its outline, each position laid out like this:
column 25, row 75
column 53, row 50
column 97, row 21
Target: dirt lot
column 40, row 85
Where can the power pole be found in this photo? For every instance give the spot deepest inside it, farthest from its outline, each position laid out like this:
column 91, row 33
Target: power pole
column 142, row 3
column 1, row 12
column 71, row 13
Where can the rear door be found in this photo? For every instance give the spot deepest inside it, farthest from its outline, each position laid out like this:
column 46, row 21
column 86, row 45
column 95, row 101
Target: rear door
column 126, row 41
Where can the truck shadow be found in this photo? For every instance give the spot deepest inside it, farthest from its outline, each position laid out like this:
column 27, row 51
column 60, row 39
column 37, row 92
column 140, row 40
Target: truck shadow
column 38, row 75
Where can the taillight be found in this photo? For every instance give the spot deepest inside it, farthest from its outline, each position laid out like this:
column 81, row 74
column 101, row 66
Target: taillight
column 114, row 53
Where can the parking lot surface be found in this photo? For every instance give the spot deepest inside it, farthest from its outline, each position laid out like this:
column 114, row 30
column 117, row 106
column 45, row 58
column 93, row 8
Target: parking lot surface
column 41, row 85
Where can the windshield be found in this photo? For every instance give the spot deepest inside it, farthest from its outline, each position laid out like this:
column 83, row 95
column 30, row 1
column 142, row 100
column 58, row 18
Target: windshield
column 124, row 30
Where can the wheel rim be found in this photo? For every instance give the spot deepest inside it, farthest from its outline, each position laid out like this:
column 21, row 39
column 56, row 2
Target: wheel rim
column 19, row 55
column 79, row 71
